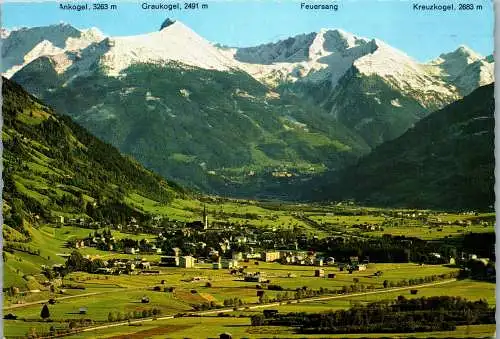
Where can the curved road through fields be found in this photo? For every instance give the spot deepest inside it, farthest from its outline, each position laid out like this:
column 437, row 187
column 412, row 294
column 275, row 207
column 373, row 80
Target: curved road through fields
column 228, row 310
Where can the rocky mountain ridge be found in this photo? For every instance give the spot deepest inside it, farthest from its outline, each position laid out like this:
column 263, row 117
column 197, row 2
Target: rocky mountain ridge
column 174, row 100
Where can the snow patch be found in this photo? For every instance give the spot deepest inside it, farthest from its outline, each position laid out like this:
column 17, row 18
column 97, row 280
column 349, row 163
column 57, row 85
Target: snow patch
column 185, row 93
column 480, row 133
column 150, row 97
column 128, row 90
column 272, row 95
column 396, row 103
column 4, row 33
column 243, row 94
column 453, row 63
column 43, row 48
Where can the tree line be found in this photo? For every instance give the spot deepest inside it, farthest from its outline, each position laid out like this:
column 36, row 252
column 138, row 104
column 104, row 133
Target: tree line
column 441, row 313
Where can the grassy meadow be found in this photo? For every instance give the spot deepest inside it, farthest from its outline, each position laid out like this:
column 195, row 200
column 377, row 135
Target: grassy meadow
column 212, row 327
column 122, row 294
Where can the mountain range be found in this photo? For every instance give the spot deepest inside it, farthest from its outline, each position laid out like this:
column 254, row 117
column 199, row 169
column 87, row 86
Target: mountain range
column 257, row 121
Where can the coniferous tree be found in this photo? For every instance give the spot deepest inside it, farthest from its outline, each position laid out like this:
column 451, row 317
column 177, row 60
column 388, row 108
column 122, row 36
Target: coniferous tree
column 45, row 313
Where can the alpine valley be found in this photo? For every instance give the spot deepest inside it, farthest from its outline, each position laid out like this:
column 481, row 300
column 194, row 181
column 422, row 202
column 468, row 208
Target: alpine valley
column 161, row 185
column 245, row 122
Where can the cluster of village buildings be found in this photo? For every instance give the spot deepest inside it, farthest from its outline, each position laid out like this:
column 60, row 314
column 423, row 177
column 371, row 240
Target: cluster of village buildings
column 221, row 256
column 282, row 256
column 127, row 266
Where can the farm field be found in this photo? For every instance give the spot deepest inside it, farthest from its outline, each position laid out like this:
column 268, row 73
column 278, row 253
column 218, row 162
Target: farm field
column 431, row 233
column 201, row 285
column 468, row 289
column 212, row 327
column 240, row 326
column 451, row 225
column 226, row 285
column 125, row 292
column 290, row 179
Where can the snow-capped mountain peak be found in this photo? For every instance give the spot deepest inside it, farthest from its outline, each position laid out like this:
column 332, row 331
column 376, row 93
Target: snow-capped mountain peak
column 332, row 53
column 403, row 73
column 385, row 60
column 465, row 68
column 22, row 46
column 332, row 40
column 175, row 42
column 314, row 58
column 462, row 52
column 93, row 33
column 453, row 63
column 166, row 23
column 4, row 33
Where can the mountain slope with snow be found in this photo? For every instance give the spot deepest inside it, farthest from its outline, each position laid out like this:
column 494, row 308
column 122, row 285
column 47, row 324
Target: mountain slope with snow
column 465, row 69
column 366, row 84
column 476, row 74
column 216, row 130
column 175, row 42
column 233, row 120
column 20, row 47
column 310, row 57
column 445, row 162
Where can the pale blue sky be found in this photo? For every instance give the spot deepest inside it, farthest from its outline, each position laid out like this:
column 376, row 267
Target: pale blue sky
column 422, row 35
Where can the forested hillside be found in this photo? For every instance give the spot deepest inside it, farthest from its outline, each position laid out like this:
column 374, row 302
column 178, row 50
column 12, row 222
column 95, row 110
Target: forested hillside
column 446, row 161
column 53, row 167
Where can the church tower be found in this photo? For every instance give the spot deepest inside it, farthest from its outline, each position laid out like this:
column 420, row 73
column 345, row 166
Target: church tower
column 205, row 217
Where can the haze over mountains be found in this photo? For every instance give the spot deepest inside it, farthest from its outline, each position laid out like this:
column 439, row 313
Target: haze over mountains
column 241, row 121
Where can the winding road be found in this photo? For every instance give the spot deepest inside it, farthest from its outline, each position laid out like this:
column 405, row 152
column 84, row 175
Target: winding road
column 274, row 304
